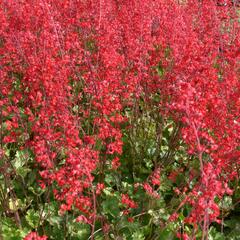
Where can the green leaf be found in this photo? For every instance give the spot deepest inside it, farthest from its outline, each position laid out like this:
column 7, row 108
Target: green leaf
column 9, row 231
column 78, row 230
column 138, row 235
column 166, row 234
column 32, row 218
column 214, row 235
column 110, row 206
column 23, row 171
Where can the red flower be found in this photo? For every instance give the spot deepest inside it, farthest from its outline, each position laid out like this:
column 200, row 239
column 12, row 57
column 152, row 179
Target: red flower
column 35, row 236
column 128, row 202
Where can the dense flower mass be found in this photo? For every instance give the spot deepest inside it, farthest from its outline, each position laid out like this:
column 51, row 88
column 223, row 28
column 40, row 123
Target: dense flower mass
column 72, row 72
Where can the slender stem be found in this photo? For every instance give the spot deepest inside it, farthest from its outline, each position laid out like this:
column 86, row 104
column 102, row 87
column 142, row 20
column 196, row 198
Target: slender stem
column 94, row 213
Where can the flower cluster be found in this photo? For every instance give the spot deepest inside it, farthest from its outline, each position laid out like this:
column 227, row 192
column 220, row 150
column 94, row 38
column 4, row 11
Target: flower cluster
column 34, row 236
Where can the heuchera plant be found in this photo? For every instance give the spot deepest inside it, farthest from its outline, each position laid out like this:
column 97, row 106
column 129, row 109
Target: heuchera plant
column 74, row 76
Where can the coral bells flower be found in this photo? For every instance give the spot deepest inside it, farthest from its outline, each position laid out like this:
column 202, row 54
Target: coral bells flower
column 106, row 228
column 173, row 175
column 173, row 217
column 99, row 188
column 89, row 140
column 130, row 219
column 82, row 219
column 128, row 202
column 155, row 177
column 116, row 163
column 150, row 191
column 35, row 236
column 182, row 236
